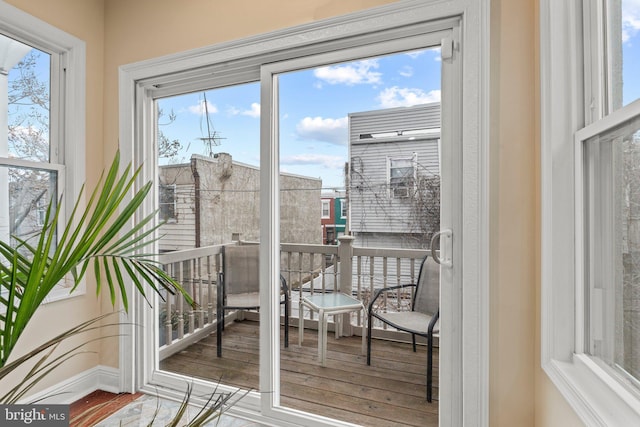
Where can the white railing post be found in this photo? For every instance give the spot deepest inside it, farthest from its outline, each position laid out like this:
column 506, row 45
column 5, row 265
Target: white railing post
column 345, row 256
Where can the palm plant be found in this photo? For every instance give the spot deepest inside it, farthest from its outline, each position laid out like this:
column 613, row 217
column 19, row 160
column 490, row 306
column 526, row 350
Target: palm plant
column 95, row 236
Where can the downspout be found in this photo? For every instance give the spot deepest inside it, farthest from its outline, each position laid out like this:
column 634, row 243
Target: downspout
column 196, row 184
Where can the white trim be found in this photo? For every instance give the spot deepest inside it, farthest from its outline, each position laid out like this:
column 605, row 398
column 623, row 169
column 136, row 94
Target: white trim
column 78, row 386
column 590, row 391
column 68, row 123
column 401, row 19
column 322, row 204
column 73, row 50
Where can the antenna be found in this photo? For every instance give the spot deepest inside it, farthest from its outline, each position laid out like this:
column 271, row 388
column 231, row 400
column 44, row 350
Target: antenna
column 213, row 137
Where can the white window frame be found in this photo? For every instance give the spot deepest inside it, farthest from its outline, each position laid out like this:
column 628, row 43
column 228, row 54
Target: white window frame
column 327, row 203
column 174, row 218
column 572, row 96
column 344, row 209
column 67, row 127
column 411, row 186
column 138, row 80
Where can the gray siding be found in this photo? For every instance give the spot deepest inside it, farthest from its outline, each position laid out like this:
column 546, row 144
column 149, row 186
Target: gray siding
column 393, row 119
column 230, row 203
column 179, row 235
column 373, row 209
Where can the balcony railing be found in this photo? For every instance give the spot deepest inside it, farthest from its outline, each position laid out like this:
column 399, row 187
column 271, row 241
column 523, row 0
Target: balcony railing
column 307, row 268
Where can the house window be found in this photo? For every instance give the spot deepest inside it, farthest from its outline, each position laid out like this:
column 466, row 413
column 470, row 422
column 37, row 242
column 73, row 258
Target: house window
column 590, row 211
column 611, row 208
column 343, row 208
column 167, row 203
column 42, row 155
column 402, row 173
column 326, row 209
column 27, row 83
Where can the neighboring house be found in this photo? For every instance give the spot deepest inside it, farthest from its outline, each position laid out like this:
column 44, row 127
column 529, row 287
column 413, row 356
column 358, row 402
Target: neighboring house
column 333, row 217
column 534, row 73
column 394, row 176
column 208, row 201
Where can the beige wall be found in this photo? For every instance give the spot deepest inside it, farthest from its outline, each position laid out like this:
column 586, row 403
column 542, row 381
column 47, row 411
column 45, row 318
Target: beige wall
column 84, row 20
column 520, row 392
column 125, row 31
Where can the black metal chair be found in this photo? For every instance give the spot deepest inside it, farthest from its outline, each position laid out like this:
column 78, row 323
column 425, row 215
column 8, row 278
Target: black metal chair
column 238, row 286
column 423, row 318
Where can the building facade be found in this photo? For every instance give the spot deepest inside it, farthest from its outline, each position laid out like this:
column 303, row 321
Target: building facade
column 333, row 217
column 215, row 200
column 394, row 176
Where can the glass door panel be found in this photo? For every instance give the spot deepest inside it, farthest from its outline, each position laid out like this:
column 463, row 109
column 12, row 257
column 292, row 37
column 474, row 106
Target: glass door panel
column 209, row 199
column 359, row 157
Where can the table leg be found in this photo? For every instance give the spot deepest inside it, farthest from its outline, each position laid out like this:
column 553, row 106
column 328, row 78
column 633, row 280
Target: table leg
column 321, row 335
column 300, row 323
column 325, row 321
column 364, row 331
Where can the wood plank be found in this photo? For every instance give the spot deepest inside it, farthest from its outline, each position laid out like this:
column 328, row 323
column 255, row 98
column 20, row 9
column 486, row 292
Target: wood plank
column 389, row 392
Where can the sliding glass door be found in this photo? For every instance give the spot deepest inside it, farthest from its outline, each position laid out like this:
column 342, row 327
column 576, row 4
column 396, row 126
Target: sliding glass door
column 337, row 167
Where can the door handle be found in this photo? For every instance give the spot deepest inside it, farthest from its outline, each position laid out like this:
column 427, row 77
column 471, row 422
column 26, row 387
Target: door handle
column 446, row 240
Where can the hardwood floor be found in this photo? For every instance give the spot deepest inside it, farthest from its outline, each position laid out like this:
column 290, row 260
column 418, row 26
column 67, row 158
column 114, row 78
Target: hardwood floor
column 97, row 406
column 389, row 392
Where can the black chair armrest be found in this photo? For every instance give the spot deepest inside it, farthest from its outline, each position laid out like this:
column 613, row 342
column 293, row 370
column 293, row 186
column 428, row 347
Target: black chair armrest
column 283, row 285
column 432, row 322
column 383, row 290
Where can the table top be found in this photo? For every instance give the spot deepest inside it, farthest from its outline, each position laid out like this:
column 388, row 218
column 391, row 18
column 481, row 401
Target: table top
column 331, row 301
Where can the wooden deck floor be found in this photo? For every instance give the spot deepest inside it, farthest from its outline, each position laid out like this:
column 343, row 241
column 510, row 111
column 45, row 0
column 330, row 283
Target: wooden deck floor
column 390, row 392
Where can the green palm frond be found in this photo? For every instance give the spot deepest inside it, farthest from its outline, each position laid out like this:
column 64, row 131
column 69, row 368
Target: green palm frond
column 103, row 234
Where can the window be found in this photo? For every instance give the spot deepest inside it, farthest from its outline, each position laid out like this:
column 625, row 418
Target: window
column 326, row 209
column 589, row 207
column 402, row 173
column 270, row 59
column 27, row 106
column 611, row 223
column 343, row 208
column 167, row 203
column 41, row 151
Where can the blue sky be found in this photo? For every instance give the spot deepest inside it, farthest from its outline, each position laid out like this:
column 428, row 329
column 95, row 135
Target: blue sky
column 314, row 105
column 630, row 50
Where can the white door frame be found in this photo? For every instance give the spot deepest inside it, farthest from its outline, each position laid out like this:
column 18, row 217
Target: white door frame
column 450, row 367
column 144, row 80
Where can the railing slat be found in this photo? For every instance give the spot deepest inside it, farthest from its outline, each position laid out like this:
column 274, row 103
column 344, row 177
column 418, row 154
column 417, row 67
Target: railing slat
column 188, row 267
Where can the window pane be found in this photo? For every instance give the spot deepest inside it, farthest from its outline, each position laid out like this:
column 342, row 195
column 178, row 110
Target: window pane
column 613, row 191
column 624, row 50
column 28, row 192
column 209, row 157
column 28, row 76
column 167, row 202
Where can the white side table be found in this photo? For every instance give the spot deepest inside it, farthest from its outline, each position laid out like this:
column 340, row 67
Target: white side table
column 330, row 304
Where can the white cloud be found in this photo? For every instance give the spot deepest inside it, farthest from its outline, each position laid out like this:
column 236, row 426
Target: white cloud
column 360, row 72
column 414, row 55
column 630, row 19
column 329, row 130
column 200, row 110
column 254, row 111
column 331, row 162
column 233, row 111
column 406, row 71
column 438, row 54
column 405, row 97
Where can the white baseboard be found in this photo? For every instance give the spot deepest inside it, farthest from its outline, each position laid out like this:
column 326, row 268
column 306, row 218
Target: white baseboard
column 68, row 391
